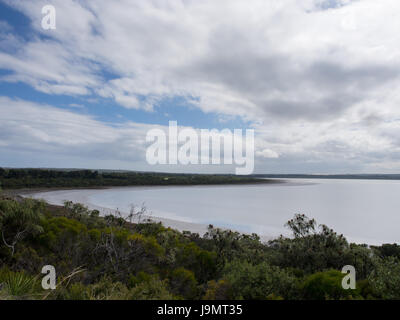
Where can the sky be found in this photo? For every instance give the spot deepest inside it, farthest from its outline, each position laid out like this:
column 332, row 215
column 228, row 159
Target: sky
column 317, row 80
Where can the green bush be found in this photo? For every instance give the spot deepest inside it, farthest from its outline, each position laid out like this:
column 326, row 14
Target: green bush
column 202, row 262
column 218, row 290
column 258, row 282
column 385, row 279
column 311, row 250
column 149, row 287
column 183, row 283
column 326, row 285
column 19, row 220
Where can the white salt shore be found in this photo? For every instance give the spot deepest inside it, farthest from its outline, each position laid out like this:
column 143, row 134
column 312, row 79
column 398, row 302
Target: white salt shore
column 82, row 196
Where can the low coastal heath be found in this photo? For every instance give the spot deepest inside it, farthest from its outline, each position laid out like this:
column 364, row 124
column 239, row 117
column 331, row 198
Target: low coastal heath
column 222, row 309
column 194, row 148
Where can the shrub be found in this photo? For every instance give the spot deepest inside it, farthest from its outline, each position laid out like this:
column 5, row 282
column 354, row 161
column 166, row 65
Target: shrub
column 310, row 250
column 18, row 285
column 202, row 262
column 258, row 282
column 183, row 282
column 326, row 285
column 218, row 290
column 107, row 289
column 150, row 288
column 19, row 220
column 385, row 279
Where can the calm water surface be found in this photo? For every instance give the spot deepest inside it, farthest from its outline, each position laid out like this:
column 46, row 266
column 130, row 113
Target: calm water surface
column 363, row 210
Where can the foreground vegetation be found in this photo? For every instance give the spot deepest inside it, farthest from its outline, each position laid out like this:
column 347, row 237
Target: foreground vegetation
column 49, row 178
column 125, row 258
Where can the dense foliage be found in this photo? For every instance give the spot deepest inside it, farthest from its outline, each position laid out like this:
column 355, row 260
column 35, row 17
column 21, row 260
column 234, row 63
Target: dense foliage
column 44, row 178
column 115, row 258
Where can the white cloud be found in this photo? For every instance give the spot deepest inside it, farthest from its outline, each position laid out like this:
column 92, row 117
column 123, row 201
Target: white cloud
column 319, row 79
column 61, row 137
column 268, row 153
column 27, row 126
column 35, row 134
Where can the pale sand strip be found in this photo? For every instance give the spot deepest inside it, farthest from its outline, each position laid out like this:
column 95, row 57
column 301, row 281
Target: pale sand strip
column 81, row 196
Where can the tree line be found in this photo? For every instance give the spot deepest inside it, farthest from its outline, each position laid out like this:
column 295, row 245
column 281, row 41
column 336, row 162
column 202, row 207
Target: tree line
column 51, row 178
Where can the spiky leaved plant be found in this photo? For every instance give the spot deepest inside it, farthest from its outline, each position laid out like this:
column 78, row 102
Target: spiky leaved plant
column 19, row 219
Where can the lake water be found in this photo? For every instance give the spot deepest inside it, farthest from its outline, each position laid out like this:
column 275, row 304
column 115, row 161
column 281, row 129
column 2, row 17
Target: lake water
column 365, row 211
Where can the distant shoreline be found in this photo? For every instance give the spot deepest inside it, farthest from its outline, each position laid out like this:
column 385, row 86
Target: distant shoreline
column 330, row 176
